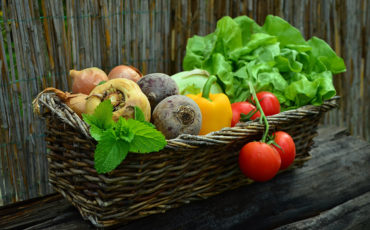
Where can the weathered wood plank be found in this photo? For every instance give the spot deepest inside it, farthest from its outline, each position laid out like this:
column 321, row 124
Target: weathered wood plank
column 353, row 214
column 48, row 208
column 332, row 178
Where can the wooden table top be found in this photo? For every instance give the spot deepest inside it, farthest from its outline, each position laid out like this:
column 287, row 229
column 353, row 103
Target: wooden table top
column 331, row 191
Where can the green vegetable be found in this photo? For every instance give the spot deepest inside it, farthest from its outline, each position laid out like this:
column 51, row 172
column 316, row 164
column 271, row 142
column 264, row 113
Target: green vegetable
column 274, row 57
column 192, row 82
column 139, row 116
column 116, row 139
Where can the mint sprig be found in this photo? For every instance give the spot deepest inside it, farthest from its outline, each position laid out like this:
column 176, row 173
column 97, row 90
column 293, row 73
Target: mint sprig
column 101, row 119
column 116, row 139
column 139, row 115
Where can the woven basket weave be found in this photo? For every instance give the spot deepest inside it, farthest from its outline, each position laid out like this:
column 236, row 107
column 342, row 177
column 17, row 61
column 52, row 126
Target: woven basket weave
column 189, row 168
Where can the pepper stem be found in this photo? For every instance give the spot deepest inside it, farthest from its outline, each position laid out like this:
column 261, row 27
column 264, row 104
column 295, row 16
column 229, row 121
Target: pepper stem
column 207, row 86
column 263, row 117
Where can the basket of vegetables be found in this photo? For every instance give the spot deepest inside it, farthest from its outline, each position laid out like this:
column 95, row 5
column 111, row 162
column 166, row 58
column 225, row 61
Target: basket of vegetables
column 123, row 146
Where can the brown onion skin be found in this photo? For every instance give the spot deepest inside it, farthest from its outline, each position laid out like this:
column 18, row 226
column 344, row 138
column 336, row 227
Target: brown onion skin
column 84, row 81
column 77, row 102
column 124, row 71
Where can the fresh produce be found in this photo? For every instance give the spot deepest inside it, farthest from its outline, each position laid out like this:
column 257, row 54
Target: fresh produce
column 177, row 115
column 215, row 108
column 157, row 86
column 77, row 102
column 124, row 71
column 259, row 161
column 84, row 81
column 116, row 139
column 269, row 103
column 243, row 109
column 286, row 148
column 192, row 82
column 124, row 95
column 273, row 57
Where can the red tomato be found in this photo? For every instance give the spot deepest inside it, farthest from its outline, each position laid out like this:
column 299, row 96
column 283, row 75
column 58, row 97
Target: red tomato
column 259, row 161
column 287, row 151
column 242, row 107
column 269, row 103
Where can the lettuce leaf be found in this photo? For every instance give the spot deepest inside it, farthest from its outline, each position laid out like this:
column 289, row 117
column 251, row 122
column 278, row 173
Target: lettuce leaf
column 274, row 57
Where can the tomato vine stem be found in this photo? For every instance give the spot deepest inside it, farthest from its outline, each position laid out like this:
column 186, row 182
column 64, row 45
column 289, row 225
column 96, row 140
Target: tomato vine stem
column 263, row 117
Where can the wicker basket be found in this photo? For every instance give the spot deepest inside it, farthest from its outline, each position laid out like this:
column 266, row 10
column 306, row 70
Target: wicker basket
column 189, row 168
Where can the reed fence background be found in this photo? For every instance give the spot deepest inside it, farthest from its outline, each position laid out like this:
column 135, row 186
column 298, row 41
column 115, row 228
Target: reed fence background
column 42, row 40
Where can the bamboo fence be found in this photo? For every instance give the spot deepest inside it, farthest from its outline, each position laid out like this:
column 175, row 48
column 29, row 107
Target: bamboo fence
column 42, row 40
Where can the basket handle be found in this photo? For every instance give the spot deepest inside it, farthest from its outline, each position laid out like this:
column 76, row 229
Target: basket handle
column 49, row 101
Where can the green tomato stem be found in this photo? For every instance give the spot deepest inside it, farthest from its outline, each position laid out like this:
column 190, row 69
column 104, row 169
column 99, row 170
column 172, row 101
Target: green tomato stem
column 263, row 117
column 207, row 86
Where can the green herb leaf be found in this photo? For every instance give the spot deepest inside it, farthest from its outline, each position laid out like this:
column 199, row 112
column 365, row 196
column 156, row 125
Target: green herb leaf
column 100, row 120
column 96, row 132
column 102, row 116
column 139, row 115
column 110, row 152
column 116, row 139
column 146, row 139
column 122, row 130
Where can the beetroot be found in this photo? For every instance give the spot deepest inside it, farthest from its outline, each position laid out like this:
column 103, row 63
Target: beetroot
column 177, row 115
column 157, row 86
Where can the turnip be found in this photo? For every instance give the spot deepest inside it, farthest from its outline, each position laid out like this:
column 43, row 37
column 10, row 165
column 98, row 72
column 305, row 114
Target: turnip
column 177, row 115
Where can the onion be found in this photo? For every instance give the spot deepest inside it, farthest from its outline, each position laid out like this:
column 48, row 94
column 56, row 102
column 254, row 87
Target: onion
column 124, row 71
column 77, row 102
column 84, row 81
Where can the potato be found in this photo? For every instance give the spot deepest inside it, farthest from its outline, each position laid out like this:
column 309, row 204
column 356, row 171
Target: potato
column 177, row 115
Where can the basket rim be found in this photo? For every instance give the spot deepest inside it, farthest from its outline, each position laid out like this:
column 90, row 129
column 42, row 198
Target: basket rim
column 226, row 135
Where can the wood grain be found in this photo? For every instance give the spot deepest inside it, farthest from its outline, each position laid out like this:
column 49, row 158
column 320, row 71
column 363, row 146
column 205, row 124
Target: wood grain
column 353, row 214
column 42, row 40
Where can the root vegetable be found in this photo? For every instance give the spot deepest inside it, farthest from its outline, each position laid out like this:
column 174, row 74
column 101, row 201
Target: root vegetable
column 77, row 102
column 84, row 81
column 124, row 95
column 124, row 71
column 157, row 86
column 177, row 115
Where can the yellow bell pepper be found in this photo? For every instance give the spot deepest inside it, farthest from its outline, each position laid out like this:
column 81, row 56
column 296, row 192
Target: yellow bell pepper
column 215, row 108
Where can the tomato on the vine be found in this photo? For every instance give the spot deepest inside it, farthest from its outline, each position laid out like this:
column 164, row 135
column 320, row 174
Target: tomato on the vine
column 243, row 107
column 259, row 161
column 287, row 148
column 269, row 103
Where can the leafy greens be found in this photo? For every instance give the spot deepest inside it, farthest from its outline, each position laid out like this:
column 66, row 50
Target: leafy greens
column 116, row 139
column 274, row 57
